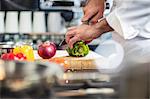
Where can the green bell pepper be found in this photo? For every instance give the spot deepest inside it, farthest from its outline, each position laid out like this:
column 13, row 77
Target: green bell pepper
column 80, row 49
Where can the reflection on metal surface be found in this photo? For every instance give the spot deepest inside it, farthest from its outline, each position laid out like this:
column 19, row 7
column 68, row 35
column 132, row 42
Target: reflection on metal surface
column 17, row 85
column 86, row 76
column 22, row 75
column 38, row 80
column 84, row 92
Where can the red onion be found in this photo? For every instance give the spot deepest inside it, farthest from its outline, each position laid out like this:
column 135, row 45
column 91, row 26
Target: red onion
column 47, row 50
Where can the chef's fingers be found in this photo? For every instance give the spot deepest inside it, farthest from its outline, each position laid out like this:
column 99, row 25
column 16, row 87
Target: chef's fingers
column 73, row 40
column 71, row 28
column 69, row 35
column 96, row 18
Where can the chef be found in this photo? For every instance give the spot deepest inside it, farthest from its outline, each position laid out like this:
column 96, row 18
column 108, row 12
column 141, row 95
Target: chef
column 130, row 21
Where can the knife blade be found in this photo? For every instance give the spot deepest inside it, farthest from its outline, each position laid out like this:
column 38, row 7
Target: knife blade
column 62, row 43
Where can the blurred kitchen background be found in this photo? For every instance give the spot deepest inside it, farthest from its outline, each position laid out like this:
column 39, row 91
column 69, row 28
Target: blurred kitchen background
column 39, row 20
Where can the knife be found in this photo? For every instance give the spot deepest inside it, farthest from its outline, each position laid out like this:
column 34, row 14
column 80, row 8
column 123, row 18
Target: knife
column 62, row 43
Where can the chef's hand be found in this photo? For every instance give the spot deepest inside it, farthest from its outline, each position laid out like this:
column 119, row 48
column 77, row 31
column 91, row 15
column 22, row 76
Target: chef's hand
column 86, row 32
column 83, row 32
column 93, row 10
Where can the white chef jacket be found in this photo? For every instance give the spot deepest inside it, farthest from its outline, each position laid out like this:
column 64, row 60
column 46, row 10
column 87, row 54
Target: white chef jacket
column 131, row 21
column 130, row 18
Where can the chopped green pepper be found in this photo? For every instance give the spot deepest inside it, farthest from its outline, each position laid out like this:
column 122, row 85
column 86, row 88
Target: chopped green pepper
column 80, row 49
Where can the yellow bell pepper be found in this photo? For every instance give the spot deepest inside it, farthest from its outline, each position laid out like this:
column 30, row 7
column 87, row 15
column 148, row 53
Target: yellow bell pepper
column 26, row 50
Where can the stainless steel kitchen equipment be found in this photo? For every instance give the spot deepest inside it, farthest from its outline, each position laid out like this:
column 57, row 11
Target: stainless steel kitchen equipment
column 48, row 81
column 28, row 79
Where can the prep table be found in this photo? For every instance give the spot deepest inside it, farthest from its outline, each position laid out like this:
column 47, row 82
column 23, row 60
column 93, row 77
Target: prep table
column 78, row 63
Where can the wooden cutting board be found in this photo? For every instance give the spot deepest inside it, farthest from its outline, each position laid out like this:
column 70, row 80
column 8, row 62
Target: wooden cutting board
column 77, row 63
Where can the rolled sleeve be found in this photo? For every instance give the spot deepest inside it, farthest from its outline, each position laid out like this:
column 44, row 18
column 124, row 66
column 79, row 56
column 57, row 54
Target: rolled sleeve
column 121, row 26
